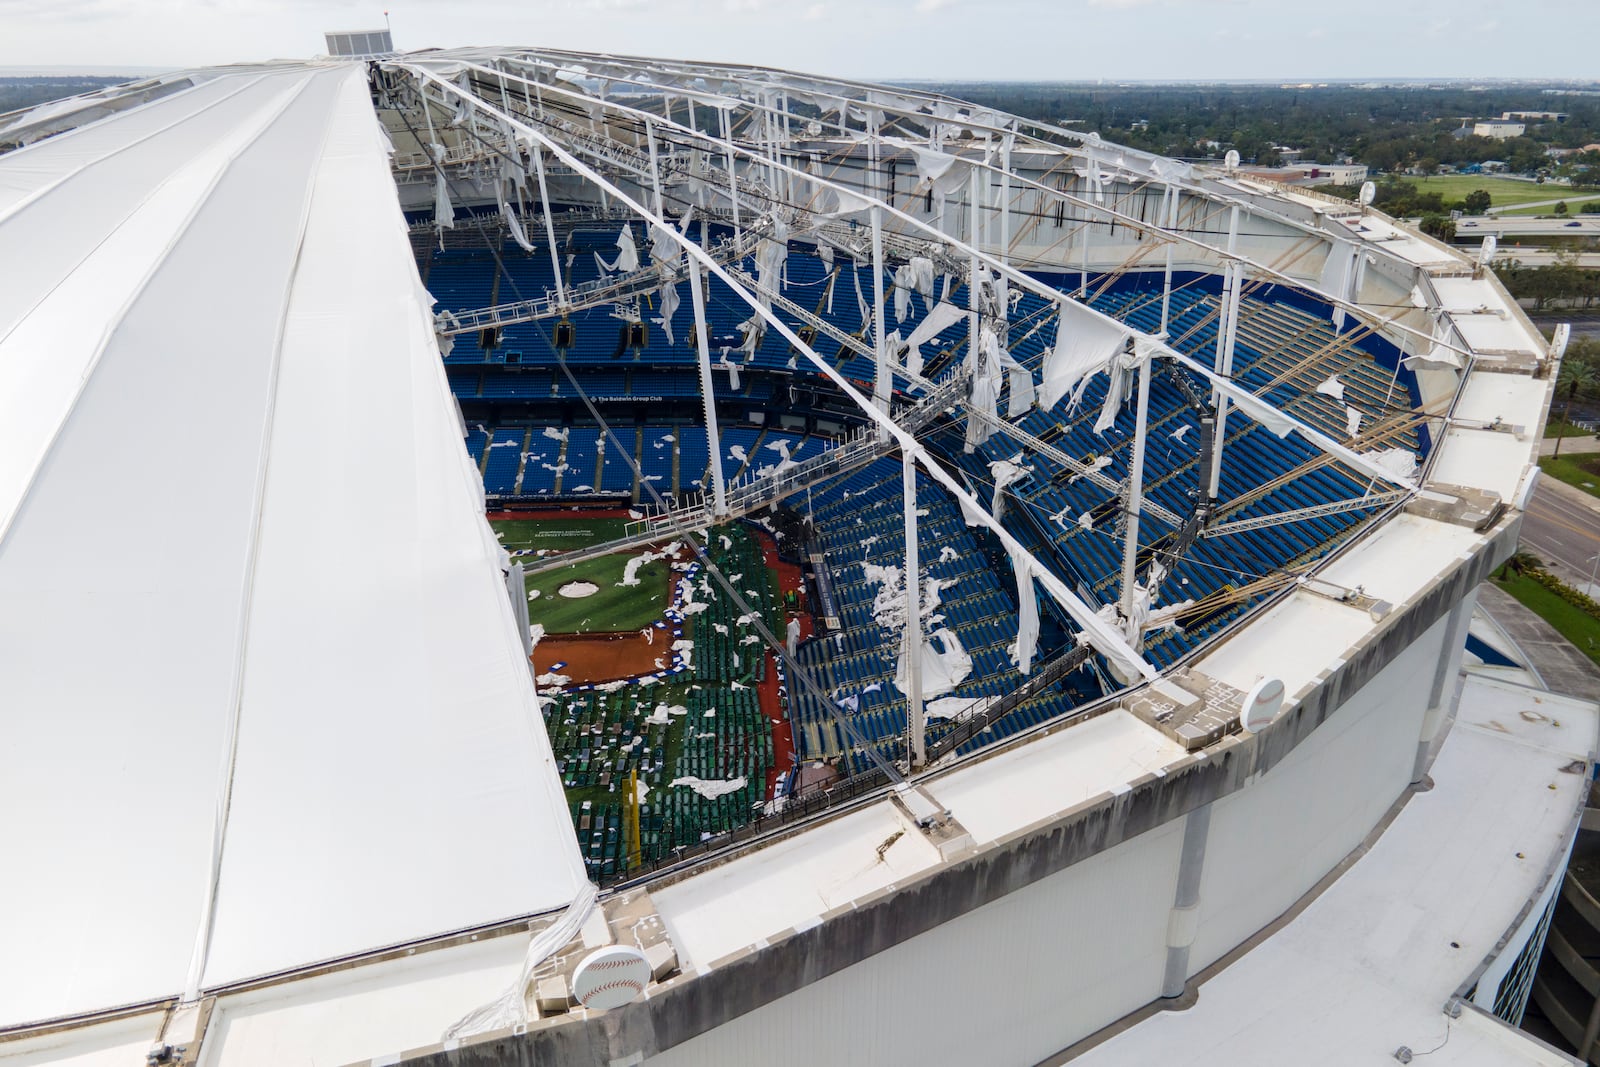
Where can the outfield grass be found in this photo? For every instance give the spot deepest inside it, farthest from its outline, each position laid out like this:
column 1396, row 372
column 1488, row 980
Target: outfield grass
column 1576, row 625
column 1582, row 471
column 612, row 608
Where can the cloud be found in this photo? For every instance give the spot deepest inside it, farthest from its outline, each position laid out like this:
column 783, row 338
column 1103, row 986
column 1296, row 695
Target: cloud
column 815, row 12
column 927, row 6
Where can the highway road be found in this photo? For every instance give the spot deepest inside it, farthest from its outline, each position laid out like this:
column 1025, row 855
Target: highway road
column 1520, row 226
column 1562, row 531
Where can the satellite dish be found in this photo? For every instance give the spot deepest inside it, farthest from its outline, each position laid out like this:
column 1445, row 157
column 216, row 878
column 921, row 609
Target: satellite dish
column 1261, row 705
column 1559, row 338
column 1368, row 192
column 1231, row 160
column 610, row 977
column 1486, row 253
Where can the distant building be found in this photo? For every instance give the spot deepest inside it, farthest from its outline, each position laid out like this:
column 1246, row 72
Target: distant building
column 1535, row 116
column 1495, row 166
column 1313, row 173
column 1499, row 129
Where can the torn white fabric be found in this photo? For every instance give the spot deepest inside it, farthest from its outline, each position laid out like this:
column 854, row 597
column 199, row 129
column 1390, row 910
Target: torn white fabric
column 943, row 667
column 669, row 305
column 1352, row 421
column 1020, row 394
column 1027, row 612
column 1263, row 412
column 1332, row 387
column 1398, row 461
column 444, row 212
column 627, row 254
column 903, row 284
column 982, row 399
column 1085, row 344
column 1337, row 274
column 1005, row 472
column 1118, row 388
column 941, row 317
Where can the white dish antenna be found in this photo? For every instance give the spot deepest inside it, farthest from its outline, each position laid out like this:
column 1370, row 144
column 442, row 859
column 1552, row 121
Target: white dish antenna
column 1261, row 705
column 1559, row 338
column 1231, row 160
column 1486, row 253
column 1368, row 193
column 610, row 977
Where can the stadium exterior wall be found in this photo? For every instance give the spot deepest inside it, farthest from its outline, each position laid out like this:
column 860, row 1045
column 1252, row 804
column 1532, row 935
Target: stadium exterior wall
column 998, row 931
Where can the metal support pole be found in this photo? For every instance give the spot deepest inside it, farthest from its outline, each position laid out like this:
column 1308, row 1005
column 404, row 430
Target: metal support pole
column 972, row 271
column 719, row 491
column 1130, row 547
column 733, row 186
column 915, row 721
column 1166, row 285
column 882, row 379
column 549, row 224
column 1004, row 251
column 655, row 169
column 1224, row 367
column 1233, row 277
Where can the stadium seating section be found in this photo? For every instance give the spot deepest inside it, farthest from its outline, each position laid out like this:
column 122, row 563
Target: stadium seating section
column 540, row 441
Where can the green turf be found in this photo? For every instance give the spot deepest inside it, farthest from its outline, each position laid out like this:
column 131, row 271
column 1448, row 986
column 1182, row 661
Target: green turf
column 1557, row 428
column 614, row 607
column 1503, row 192
column 1579, row 470
column 1575, row 204
column 1573, row 623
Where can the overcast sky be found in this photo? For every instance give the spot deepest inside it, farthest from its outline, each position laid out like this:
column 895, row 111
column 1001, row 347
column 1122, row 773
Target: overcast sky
column 1061, row 40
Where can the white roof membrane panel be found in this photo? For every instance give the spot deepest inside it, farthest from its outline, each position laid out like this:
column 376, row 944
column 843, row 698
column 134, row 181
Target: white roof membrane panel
column 260, row 653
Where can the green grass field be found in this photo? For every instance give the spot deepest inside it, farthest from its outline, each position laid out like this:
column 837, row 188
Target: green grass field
column 1574, row 204
column 613, row 607
column 1582, row 471
column 1577, row 626
column 1503, row 192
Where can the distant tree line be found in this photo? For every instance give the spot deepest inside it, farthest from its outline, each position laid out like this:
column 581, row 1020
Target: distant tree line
column 18, row 93
column 1389, row 129
column 1562, row 283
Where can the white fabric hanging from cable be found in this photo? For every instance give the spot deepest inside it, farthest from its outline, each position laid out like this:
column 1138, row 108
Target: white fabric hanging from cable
column 1020, row 380
column 941, row 318
column 627, row 259
column 512, row 222
column 669, row 305
column 1263, row 412
column 1119, row 388
column 1085, row 344
column 1005, row 472
column 861, row 301
column 982, row 399
column 1337, row 271
column 444, row 212
column 904, row 282
column 1027, row 612
column 1352, row 421
column 1332, row 387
